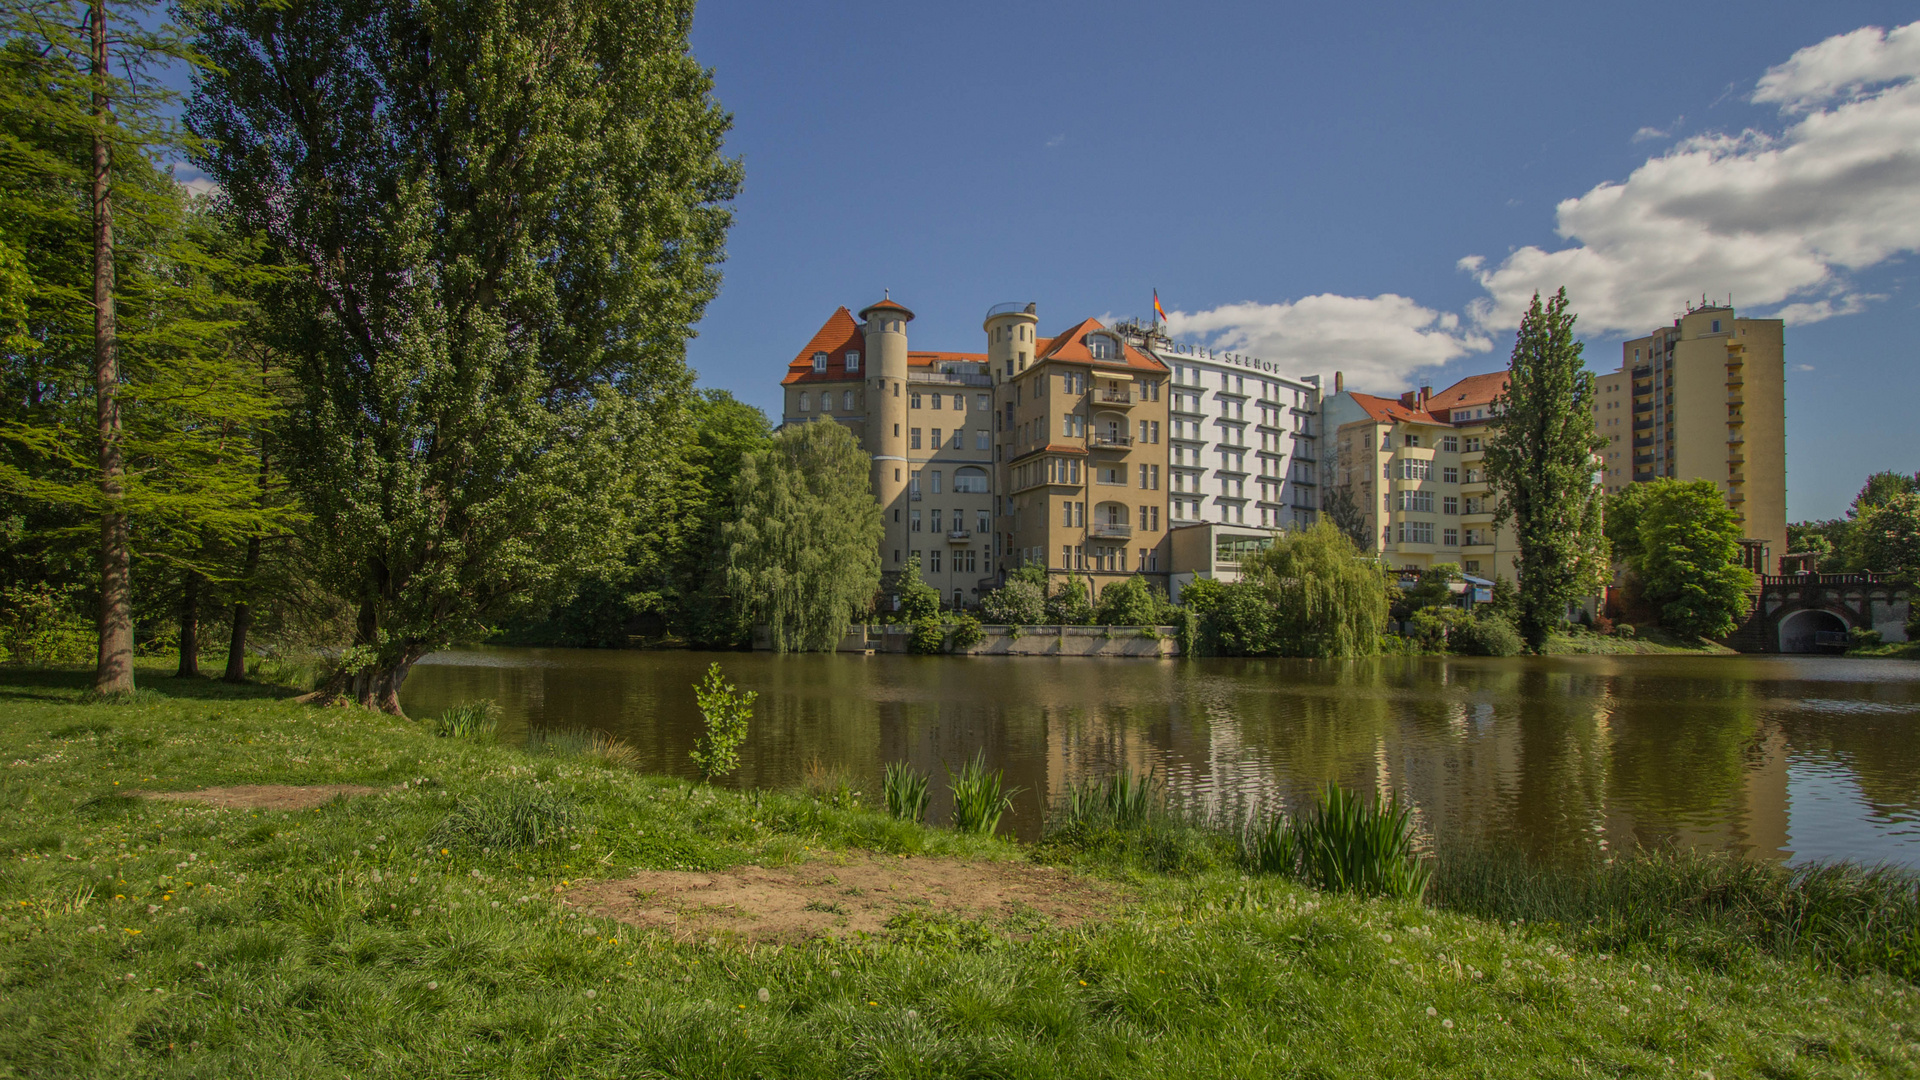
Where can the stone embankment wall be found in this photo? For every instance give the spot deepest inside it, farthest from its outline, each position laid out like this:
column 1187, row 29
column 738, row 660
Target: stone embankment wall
column 1154, row 641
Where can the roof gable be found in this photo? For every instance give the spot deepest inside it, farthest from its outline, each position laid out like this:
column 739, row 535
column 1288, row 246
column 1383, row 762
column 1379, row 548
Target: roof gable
column 836, row 337
column 1071, row 347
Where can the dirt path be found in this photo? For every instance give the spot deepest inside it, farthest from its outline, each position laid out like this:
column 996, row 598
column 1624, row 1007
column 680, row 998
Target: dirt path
column 264, row 796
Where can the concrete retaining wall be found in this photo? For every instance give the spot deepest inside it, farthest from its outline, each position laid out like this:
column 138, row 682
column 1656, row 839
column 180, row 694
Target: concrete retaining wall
column 1028, row 641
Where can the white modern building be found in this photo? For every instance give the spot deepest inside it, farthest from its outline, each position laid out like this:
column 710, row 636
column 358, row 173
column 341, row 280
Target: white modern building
column 1243, row 441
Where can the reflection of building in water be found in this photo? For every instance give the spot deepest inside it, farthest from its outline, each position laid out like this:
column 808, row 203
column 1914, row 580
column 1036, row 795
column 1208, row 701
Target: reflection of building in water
column 1765, row 809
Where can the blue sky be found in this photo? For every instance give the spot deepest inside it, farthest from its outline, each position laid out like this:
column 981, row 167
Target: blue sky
column 1303, row 182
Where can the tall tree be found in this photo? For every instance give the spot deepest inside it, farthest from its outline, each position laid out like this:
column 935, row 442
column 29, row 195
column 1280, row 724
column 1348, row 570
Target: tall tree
column 1688, row 557
column 803, row 548
column 1887, row 537
column 1541, row 461
column 1326, row 595
column 1880, row 489
column 506, row 217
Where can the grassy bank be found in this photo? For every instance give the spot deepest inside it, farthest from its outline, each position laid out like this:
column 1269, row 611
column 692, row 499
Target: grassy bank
column 1651, row 641
column 1891, row 650
column 416, row 931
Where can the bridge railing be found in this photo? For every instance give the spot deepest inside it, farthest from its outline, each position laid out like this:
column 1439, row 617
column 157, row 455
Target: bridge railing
column 1862, row 578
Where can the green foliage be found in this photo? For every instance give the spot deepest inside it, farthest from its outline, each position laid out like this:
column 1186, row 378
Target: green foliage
column 966, row 633
column 1432, row 589
column 468, row 720
column 582, row 743
column 725, row 710
column 1312, row 593
column 1880, row 489
column 1344, row 844
column 1689, row 559
column 1625, row 630
column 804, row 543
column 508, row 819
column 498, row 247
column 1129, row 603
column 1886, row 538
column 1241, row 621
column 978, row 799
column 917, row 600
column 1505, row 600
column 1439, row 629
column 1068, row 605
column 929, row 637
column 1016, row 603
column 40, row 624
column 1862, row 637
column 1624, row 510
column 1708, row 909
column 907, row 790
column 1828, row 542
column 1121, row 801
column 1489, row 634
column 1540, row 460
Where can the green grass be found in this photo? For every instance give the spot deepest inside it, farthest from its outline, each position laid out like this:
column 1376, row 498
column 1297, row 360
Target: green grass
column 907, row 791
column 414, row 933
column 1891, row 650
column 1648, row 641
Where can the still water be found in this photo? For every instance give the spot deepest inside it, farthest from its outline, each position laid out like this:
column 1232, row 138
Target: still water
column 1778, row 757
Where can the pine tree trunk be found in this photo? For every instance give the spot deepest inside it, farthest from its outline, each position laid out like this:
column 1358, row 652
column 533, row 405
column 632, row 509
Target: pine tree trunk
column 114, row 671
column 189, row 627
column 242, row 617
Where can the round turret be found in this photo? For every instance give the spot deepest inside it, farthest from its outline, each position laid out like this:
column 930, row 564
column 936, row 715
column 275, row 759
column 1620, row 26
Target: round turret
column 885, row 331
column 1010, row 339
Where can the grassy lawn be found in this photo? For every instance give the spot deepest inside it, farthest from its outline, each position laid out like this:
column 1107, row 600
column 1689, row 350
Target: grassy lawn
column 1650, row 641
column 418, row 931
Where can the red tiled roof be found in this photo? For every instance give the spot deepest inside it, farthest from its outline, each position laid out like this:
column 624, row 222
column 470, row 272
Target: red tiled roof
column 836, row 337
column 1380, row 408
column 886, row 305
column 1071, row 347
column 1050, row 448
column 1468, row 392
column 928, row 359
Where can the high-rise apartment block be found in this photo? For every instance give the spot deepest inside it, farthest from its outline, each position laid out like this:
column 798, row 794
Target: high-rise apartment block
column 1414, row 468
column 1058, row 451
column 1705, row 399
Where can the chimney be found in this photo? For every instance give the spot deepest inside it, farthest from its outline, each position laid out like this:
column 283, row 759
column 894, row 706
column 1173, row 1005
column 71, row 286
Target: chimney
column 1339, row 382
column 1407, row 399
column 1425, row 393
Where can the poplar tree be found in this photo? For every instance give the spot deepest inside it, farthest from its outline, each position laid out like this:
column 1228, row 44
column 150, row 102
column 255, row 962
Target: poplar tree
column 504, row 219
column 1541, row 459
column 803, row 548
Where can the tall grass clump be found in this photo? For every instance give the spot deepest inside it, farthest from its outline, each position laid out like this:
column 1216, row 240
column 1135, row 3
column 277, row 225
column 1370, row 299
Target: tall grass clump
column 1121, row 801
column 1708, row 908
column 581, row 743
column 908, row 791
column 468, row 720
column 1344, row 844
column 978, row 799
column 503, row 820
column 1125, row 820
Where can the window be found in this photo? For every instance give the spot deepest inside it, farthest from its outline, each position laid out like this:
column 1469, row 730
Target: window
column 913, row 438
column 936, row 435
column 1473, row 444
column 1143, row 478
column 936, row 519
column 913, row 483
column 982, row 439
column 1409, row 440
column 853, row 361
column 1153, row 519
column 914, row 515
column 1419, row 501
column 1449, row 504
column 819, row 361
column 1073, row 425
column 936, row 481
column 936, row 399
column 933, row 560
column 1471, row 566
column 981, row 403
column 846, row 401
column 1153, row 477
column 970, row 481
column 1449, row 537
column 1450, row 475
column 913, row 400
column 1066, row 556
column 1716, row 326
column 1416, row 469
column 1417, row 532
column 805, row 404
column 1066, row 515
column 983, row 521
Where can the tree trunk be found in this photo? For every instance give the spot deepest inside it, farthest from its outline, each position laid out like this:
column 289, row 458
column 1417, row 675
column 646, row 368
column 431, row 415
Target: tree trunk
column 113, row 673
column 189, row 627
column 376, row 686
column 242, row 617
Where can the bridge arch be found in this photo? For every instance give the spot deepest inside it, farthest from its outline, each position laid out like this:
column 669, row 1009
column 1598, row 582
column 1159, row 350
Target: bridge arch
column 1812, row 630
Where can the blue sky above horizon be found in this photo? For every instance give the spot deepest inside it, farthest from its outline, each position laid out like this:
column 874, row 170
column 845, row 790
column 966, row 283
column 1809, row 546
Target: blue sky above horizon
column 1373, row 190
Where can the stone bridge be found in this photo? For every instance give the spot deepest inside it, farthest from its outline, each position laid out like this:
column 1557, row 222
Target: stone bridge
column 1804, row 613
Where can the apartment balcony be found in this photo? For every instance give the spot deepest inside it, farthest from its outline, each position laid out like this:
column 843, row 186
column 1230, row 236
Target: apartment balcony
column 1110, row 530
column 1734, row 438
column 948, row 378
column 1115, row 398
column 1735, row 397
column 1736, row 478
column 1736, row 459
column 1735, row 378
column 1735, row 419
column 959, row 536
column 1643, row 425
column 1476, row 549
column 1640, row 388
column 1643, row 459
column 1643, row 442
column 1736, row 497
column 1101, row 440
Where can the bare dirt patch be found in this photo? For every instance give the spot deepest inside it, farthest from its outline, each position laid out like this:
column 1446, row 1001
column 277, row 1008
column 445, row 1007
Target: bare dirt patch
column 836, row 898
column 265, row 796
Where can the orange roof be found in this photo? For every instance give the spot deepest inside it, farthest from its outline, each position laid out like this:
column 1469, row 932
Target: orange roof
column 1071, row 347
column 838, row 336
column 1468, row 392
column 928, row 359
column 1388, row 409
column 1051, row 448
column 887, row 305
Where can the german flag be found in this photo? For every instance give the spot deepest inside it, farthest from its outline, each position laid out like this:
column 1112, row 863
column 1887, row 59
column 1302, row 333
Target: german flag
column 1158, row 311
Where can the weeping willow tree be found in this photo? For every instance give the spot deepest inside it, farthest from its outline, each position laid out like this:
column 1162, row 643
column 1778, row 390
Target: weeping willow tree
column 803, row 548
column 1328, row 599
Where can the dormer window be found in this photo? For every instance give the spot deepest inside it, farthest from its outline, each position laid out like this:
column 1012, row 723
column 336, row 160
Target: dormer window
column 853, row 361
column 1102, row 348
column 819, row 361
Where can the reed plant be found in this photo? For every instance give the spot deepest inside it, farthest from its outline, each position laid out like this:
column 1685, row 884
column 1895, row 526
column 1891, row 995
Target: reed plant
column 831, row 784
column 506, row 819
column 908, row 791
column 1343, row 844
column 1710, row 908
column 1125, row 820
column 1120, row 801
column 979, row 798
column 468, row 720
column 583, row 743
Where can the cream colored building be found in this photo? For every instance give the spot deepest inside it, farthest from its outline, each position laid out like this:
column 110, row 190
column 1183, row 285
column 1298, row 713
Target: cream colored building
column 1415, row 467
column 1705, row 399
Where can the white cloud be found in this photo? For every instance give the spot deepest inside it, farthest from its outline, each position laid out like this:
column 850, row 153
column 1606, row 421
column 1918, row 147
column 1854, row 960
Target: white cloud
column 1646, row 134
column 1377, row 341
column 1763, row 218
column 1057, row 141
column 193, row 180
column 1803, row 367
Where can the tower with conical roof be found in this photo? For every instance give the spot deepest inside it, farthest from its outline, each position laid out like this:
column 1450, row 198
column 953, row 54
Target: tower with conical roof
column 885, row 330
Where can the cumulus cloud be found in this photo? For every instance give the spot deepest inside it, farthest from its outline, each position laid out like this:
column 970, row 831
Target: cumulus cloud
column 193, row 180
column 1764, row 218
column 1377, row 341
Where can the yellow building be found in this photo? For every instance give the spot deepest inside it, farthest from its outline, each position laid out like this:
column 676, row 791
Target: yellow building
column 1705, row 399
column 1414, row 466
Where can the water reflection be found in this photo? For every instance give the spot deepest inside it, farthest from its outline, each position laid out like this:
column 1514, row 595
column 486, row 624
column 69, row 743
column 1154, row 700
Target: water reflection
column 1777, row 757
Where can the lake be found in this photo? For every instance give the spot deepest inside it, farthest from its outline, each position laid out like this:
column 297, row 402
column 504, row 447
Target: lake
column 1776, row 757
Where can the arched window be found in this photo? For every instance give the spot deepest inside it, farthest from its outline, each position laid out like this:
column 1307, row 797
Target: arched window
column 971, row 481
column 804, row 402
column 846, row 400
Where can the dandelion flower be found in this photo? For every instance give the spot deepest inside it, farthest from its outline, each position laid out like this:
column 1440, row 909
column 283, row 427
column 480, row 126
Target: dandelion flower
column 591, row 994
column 1431, row 1011
column 1448, row 1024
column 763, row 995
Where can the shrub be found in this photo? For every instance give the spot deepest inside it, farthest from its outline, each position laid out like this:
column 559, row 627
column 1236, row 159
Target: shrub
column 1128, row 603
column 929, row 638
column 1489, row 635
column 725, row 710
column 1435, row 628
column 1861, row 637
column 1602, row 625
column 1017, row 602
column 918, row 600
column 978, row 800
column 1625, row 630
column 40, row 624
column 1241, row 622
column 1067, row 605
column 516, row 817
column 1345, row 844
column 966, row 633
column 468, row 720
column 908, row 791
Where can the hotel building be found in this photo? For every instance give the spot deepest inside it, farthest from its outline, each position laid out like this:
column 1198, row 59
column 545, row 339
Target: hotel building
column 1705, row 399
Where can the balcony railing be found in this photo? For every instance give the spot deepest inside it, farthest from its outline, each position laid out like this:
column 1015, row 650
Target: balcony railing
column 959, row 536
column 1108, row 395
column 1101, row 440
column 949, row 378
column 1110, row 529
